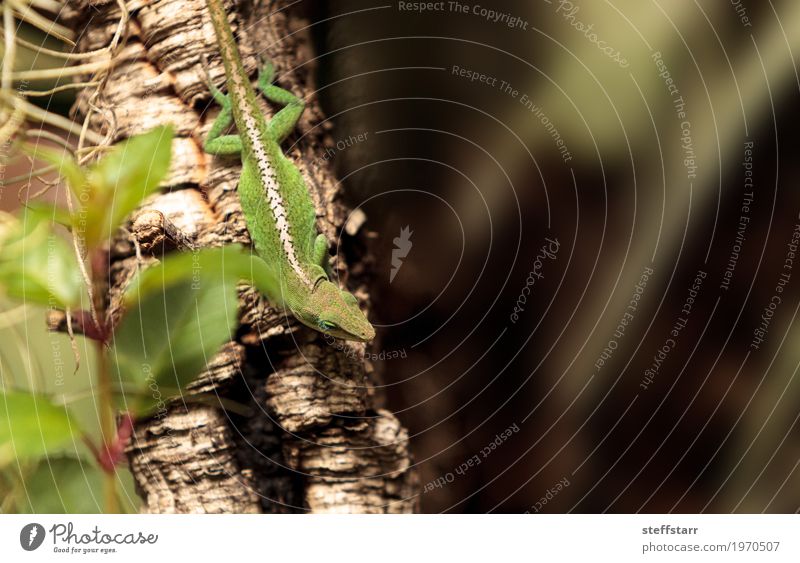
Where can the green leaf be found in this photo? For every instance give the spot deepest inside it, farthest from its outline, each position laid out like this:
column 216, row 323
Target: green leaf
column 70, row 485
column 231, row 262
column 179, row 312
column 63, row 485
column 119, row 182
column 63, row 161
column 32, row 427
column 166, row 339
column 36, row 265
column 50, row 211
column 113, row 187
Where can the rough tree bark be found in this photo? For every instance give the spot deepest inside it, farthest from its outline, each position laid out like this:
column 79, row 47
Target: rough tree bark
column 315, row 437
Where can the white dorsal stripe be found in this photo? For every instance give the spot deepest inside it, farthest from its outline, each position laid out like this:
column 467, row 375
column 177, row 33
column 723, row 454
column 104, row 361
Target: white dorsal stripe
column 267, row 174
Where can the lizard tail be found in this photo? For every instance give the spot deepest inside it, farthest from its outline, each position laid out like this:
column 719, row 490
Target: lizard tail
column 227, row 48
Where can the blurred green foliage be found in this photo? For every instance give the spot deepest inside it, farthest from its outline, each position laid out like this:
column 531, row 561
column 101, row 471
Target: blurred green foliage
column 179, row 313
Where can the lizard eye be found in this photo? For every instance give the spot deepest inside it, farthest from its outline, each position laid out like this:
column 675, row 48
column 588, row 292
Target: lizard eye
column 327, row 325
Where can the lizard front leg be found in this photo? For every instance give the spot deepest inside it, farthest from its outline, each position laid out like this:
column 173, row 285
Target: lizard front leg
column 319, row 252
column 216, row 143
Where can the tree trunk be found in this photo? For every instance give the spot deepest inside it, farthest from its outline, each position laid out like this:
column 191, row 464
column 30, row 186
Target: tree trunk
column 311, row 435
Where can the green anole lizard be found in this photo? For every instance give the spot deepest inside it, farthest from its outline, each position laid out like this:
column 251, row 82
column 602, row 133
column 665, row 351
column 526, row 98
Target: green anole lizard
column 276, row 203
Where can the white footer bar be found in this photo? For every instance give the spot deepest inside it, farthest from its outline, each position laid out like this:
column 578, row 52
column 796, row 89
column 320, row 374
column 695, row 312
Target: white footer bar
column 406, row 539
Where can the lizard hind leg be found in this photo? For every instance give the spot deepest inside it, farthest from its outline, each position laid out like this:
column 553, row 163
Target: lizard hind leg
column 223, row 145
column 219, row 144
column 216, row 142
column 265, row 75
column 221, row 99
column 284, row 121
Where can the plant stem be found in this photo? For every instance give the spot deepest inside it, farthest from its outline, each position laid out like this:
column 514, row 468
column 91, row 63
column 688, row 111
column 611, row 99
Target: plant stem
column 108, row 424
column 108, row 429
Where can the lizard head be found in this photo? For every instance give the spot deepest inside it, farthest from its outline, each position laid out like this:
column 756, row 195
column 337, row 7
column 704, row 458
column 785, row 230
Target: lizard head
column 332, row 311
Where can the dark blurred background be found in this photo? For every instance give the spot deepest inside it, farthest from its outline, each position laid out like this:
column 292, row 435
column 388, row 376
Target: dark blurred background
column 567, row 170
column 671, row 113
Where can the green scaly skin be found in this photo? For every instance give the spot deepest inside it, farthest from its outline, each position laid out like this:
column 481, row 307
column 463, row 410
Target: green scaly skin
column 275, row 200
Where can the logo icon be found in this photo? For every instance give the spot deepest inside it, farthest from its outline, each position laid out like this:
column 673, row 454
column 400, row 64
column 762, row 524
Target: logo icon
column 402, row 246
column 31, row 536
